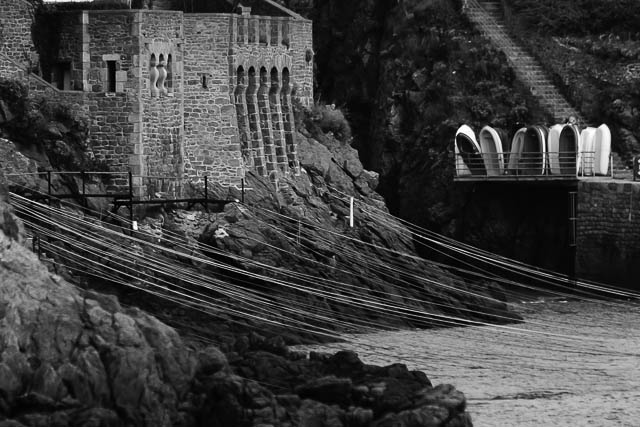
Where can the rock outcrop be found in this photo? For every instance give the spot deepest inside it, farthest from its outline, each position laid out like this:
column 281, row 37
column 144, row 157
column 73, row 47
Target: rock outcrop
column 71, row 357
column 408, row 74
column 304, row 227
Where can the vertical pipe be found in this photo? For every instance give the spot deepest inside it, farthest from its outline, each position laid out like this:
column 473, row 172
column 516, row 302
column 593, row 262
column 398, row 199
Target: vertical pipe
column 206, row 188
column 242, row 180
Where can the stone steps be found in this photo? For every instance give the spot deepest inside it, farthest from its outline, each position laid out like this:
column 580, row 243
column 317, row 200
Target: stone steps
column 487, row 16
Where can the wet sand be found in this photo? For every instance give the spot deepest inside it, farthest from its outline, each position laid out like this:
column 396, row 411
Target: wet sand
column 571, row 363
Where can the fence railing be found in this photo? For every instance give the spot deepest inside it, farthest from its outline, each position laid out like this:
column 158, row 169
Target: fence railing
column 533, row 165
column 123, row 188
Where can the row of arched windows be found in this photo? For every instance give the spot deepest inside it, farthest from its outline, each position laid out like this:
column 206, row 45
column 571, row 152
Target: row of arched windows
column 160, row 74
column 265, row 118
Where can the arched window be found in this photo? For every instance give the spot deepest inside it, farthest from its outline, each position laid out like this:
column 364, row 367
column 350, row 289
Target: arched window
column 162, row 74
column 153, row 75
column 241, row 112
column 169, row 73
column 264, row 111
column 276, row 121
column 257, row 146
column 288, row 119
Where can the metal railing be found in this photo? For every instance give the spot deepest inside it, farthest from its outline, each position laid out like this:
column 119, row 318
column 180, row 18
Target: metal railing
column 124, row 189
column 534, row 165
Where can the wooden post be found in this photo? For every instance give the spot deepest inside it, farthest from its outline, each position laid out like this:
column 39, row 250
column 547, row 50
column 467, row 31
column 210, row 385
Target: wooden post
column 351, row 212
column 49, row 187
column 131, row 199
column 611, row 164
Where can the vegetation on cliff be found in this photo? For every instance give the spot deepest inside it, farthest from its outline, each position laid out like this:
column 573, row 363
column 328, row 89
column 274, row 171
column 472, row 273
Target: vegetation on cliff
column 49, row 131
column 409, row 73
column 592, row 50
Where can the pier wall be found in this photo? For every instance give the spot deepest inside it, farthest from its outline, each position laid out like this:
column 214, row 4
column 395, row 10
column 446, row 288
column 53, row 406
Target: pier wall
column 608, row 232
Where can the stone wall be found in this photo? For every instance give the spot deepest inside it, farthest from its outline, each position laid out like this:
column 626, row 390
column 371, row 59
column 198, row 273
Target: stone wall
column 162, row 42
column 178, row 94
column 608, row 232
column 73, row 49
column 16, row 17
column 10, row 69
column 115, row 108
column 211, row 140
column 302, row 54
column 269, row 69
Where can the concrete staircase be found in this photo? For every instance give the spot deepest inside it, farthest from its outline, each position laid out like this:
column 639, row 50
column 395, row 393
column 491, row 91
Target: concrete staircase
column 487, row 17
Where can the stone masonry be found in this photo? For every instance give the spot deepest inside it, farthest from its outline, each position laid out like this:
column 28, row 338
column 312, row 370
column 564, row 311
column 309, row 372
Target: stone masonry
column 173, row 94
column 608, row 232
column 16, row 18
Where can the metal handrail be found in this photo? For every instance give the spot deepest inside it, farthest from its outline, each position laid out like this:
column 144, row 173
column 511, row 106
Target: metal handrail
column 537, row 164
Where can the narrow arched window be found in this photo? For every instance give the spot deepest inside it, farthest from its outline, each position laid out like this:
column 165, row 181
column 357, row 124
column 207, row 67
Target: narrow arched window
column 153, row 75
column 162, row 74
column 169, row 73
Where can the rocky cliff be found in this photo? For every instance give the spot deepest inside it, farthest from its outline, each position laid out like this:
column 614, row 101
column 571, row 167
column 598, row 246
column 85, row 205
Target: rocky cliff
column 408, row 74
column 71, row 357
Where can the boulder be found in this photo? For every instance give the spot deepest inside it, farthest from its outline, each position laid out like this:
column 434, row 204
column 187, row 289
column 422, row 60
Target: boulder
column 328, row 390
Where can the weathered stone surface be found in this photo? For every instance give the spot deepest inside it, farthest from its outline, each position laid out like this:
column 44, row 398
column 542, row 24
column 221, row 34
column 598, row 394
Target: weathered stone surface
column 319, row 196
column 124, row 360
column 608, row 232
column 328, row 390
column 71, row 359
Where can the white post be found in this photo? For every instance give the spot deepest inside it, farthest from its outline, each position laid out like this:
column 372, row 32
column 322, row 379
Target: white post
column 351, row 213
column 611, row 164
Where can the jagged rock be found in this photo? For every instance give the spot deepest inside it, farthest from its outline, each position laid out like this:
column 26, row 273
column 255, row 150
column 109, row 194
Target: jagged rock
column 5, row 113
column 313, row 413
column 210, row 361
column 328, row 390
column 20, row 168
column 72, row 359
column 444, row 395
column 125, row 359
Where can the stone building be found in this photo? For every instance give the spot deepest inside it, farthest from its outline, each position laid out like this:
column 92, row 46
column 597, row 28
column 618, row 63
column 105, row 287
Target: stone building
column 170, row 93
